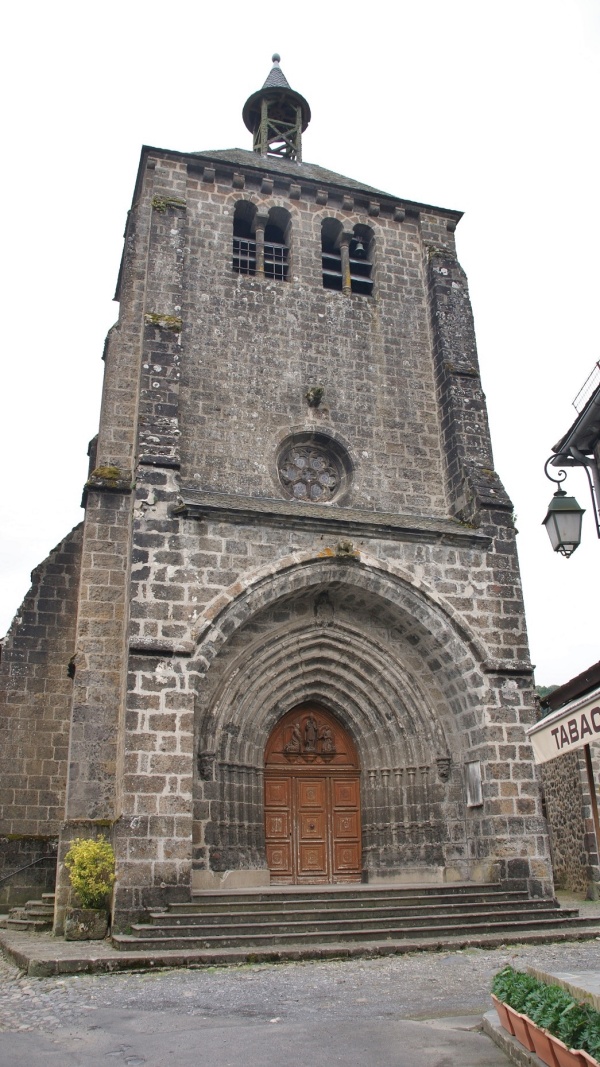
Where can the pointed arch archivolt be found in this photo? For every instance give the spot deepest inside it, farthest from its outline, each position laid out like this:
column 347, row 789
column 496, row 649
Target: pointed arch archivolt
column 394, row 583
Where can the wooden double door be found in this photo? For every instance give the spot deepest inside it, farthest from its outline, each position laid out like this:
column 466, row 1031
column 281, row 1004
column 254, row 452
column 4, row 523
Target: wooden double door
column 312, row 800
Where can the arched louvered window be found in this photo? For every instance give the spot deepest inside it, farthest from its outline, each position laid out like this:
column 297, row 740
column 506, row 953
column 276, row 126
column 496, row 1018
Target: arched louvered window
column 261, row 242
column 347, row 257
column 331, row 235
column 244, row 239
column 361, row 260
column 277, row 244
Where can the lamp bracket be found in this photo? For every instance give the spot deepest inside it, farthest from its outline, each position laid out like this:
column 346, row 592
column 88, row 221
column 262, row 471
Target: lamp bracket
column 560, row 475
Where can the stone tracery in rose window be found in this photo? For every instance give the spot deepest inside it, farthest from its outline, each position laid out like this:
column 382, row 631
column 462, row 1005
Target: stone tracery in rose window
column 309, row 472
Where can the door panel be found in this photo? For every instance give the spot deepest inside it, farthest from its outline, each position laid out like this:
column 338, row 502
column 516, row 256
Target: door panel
column 313, row 827
column 312, row 793
column 311, row 823
column 345, row 793
column 345, row 825
column 277, row 792
column 278, row 827
column 279, row 859
column 312, row 861
column 346, row 857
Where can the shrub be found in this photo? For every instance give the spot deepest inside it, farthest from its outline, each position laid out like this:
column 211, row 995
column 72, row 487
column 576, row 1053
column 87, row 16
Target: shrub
column 91, row 866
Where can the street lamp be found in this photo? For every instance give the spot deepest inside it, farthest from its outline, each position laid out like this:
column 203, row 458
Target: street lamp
column 563, row 519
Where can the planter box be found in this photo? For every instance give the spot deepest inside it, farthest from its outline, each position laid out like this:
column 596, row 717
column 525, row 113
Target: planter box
column 568, row 1057
column 587, row 1059
column 503, row 1015
column 543, row 1044
column 520, row 1025
column 85, row 924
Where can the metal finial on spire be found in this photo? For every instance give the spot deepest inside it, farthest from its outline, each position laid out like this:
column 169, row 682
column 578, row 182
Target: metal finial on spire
column 277, row 116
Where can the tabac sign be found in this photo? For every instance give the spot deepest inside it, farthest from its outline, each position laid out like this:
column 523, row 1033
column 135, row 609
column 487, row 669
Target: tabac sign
column 568, row 728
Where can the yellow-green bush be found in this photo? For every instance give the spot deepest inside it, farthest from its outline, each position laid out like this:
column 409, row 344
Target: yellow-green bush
column 91, row 866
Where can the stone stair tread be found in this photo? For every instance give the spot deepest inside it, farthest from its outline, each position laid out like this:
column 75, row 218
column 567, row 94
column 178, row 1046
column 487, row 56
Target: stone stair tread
column 268, row 913
column 507, row 931
column 131, row 949
column 377, row 893
column 331, row 888
column 316, row 920
column 153, row 938
column 305, row 903
column 28, row 924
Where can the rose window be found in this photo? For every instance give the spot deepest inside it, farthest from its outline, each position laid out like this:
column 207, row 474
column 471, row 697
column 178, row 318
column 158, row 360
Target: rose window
column 309, row 472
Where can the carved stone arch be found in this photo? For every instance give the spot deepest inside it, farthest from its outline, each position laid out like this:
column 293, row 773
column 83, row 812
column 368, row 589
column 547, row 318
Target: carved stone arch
column 379, row 701
column 399, row 696
column 457, row 648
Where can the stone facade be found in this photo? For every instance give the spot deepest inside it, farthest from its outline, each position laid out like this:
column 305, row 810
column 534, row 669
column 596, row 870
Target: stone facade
column 213, row 600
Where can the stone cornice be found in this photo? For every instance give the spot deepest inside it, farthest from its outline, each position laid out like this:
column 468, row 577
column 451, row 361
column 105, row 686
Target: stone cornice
column 349, row 522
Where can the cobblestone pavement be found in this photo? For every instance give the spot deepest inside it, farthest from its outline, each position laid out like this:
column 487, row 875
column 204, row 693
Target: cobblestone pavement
column 419, row 986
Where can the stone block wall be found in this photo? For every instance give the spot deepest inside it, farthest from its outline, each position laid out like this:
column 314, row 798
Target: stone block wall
column 35, row 699
column 570, row 820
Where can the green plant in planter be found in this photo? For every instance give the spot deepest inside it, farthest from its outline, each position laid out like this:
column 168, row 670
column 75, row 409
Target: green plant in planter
column 535, row 1005
column 590, row 1035
column 556, row 1000
column 502, row 983
column 91, row 866
column 571, row 1024
column 513, row 987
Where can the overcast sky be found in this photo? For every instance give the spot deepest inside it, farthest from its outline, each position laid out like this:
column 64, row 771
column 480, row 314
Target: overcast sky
column 470, row 104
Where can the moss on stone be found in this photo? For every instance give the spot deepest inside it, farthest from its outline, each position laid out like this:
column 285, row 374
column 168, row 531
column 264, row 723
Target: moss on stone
column 161, row 203
column 164, row 322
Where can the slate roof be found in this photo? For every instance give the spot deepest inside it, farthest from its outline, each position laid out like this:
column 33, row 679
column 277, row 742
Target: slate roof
column 276, row 78
column 243, row 158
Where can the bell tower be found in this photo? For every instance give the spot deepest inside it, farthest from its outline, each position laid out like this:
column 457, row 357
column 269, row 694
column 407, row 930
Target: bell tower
column 277, row 116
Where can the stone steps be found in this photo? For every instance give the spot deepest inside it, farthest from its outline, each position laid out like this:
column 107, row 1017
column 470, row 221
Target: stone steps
column 357, row 915
column 35, row 915
column 285, row 900
column 346, row 917
column 316, row 920
column 323, row 932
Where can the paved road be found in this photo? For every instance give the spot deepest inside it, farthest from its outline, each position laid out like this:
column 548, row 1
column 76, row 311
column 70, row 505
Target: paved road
column 387, row 1012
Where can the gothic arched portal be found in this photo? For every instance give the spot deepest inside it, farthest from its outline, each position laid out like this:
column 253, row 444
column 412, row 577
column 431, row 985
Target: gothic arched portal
column 312, row 799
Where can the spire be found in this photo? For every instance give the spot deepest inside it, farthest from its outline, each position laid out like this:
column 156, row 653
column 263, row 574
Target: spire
column 276, row 78
column 277, row 116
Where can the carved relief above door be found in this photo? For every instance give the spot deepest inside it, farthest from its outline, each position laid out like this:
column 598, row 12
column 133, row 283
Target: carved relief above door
column 312, row 800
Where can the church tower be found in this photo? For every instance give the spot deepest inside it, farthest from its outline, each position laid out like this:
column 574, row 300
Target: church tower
column 300, row 651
